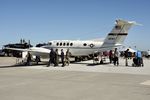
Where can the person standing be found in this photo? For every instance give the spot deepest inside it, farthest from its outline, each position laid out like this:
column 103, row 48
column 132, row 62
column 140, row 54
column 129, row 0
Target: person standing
column 110, row 56
column 139, row 58
column 126, row 55
column 67, row 57
column 51, row 57
column 28, row 59
column 116, row 57
column 37, row 59
column 62, row 57
column 56, row 58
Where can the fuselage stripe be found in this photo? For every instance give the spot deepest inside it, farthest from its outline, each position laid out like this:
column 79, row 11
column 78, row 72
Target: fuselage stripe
column 118, row 34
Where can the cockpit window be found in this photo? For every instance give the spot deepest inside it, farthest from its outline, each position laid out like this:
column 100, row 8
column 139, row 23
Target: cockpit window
column 50, row 43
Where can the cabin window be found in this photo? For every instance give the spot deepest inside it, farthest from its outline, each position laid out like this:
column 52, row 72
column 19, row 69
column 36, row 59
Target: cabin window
column 71, row 44
column 84, row 44
column 64, row 44
column 57, row 43
column 60, row 44
column 67, row 44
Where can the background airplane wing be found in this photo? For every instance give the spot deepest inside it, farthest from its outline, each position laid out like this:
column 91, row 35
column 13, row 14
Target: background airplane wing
column 17, row 49
column 37, row 51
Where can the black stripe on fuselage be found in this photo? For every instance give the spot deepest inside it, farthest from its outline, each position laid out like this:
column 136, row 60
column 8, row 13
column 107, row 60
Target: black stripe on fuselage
column 118, row 34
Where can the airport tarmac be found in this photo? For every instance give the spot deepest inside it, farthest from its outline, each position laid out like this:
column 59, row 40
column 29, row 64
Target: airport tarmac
column 79, row 81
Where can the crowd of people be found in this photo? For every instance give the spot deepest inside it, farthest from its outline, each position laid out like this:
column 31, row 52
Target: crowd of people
column 114, row 55
column 54, row 58
column 137, row 57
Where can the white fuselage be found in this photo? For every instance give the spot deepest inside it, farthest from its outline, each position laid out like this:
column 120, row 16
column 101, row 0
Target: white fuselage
column 76, row 48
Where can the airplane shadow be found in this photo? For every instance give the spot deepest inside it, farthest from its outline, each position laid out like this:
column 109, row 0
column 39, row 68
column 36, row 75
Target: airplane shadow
column 92, row 64
column 21, row 65
column 106, row 63
column 95, row 64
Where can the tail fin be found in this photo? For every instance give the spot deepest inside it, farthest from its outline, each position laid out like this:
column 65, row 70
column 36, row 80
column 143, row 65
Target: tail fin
column 118, row 34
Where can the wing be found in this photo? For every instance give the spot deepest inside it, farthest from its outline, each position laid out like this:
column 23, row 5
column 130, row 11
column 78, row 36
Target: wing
column 17, row 49
column 37, row 51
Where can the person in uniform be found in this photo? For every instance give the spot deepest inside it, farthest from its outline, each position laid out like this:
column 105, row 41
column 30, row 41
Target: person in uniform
column 51, row 57
column 62, row 57
column 67, row 57
column 126, row 55
column 56, row 58
column 28, row 59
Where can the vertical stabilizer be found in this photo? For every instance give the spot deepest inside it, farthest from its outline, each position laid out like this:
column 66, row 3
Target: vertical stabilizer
column 118, row 34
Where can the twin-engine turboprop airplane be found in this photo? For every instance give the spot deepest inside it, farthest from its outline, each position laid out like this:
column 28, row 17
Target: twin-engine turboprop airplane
column 83, row 48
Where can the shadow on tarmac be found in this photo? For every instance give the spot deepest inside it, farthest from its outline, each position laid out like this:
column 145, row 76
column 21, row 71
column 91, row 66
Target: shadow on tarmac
column 95, row 64
column 21, row 65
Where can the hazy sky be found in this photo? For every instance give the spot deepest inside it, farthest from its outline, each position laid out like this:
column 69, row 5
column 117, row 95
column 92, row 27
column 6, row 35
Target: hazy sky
column 44, row 20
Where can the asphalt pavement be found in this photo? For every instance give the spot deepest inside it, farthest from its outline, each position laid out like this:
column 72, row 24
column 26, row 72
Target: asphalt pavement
column 79, row 81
